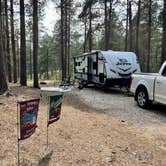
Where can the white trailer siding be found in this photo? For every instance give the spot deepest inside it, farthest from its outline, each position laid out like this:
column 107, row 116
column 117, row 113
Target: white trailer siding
column 106, row 67
column 81, row 67
column 120, row 64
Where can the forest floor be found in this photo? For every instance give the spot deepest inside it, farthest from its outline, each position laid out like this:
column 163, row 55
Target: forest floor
column 95, row 129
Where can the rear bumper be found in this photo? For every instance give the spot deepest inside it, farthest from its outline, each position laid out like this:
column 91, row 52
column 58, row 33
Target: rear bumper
column 126, row 82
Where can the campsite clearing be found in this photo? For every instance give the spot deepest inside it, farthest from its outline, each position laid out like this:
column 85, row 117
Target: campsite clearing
column 96, row 128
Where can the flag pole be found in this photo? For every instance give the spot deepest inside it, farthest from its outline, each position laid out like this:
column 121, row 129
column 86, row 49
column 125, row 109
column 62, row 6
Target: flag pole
column 18, row 144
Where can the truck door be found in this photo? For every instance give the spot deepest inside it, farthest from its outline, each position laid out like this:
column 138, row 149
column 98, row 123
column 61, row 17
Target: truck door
column 160, row 91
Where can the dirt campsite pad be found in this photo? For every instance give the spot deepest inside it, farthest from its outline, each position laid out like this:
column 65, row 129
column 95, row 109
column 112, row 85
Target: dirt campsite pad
column 83, row 136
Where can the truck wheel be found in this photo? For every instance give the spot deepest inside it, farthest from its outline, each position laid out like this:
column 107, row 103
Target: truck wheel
column 142, row 98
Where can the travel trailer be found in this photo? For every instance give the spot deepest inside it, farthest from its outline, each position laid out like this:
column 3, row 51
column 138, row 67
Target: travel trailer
column 106, row 68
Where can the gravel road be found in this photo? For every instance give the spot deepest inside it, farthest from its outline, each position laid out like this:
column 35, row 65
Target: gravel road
column 117, row 104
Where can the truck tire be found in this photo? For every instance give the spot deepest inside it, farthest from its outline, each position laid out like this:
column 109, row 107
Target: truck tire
column 142, row 98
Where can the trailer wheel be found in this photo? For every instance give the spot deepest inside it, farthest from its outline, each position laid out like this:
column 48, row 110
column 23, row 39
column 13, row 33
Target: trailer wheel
column 82, row 84
column 142, row 98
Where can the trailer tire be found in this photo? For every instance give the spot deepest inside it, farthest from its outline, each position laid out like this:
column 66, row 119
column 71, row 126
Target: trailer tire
column 142, row 97
column 82, row 85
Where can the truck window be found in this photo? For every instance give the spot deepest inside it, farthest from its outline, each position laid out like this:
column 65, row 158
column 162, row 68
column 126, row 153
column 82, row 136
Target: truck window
column 164, row 72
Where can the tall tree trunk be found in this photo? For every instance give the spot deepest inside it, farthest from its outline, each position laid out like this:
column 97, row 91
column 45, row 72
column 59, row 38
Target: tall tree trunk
column 3, row 82
column 30, row 57
column 23, row 76
column 3, row 20
column 13, row 43
column 65, row 38
column 90, row 28
column 127, row 24
column 106, row 24
column 35, row 43
column 110, row 34
column 8, row 44
column 18, row 56
column 163, row 52
column 130, row 26
column 149, row 36
column 47, row 61
column 62, row 40
column 137, row 28
column 68, row 41
column 85, row 33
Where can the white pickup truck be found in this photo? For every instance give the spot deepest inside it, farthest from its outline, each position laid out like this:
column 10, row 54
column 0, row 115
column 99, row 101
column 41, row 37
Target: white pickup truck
column 148, row 88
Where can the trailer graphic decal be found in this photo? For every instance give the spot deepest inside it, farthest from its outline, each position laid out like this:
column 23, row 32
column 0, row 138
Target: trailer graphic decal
column 123, row 62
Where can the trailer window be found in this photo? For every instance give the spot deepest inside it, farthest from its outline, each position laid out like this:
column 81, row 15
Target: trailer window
column 94, row 65
column 77, row 63
column 164, row 72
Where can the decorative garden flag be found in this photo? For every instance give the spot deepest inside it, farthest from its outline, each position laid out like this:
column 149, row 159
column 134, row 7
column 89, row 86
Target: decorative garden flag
column 28, row 117
column 55, row 108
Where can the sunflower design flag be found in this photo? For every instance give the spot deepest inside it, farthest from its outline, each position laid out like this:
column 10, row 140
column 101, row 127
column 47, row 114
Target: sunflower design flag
column 55, row 108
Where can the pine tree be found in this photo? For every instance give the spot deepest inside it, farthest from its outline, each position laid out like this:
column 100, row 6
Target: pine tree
column 3, row 81
column 138, row 28
column 163, row 53
column 9, row 70
column 23, row 76
column 13, row 42
column 35, row 43
column 149, row 35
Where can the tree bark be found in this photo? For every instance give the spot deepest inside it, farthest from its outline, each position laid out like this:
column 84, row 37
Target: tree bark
column 85, row 33
column 8, row 44
column 65, row 38
column 163, row 52
column 127, row 24
column 130, row 26
column 35, row 43
column 30, row 57
column 3, row 20
column 149, row 36
column 3, row 81
column 62, row 40
column 110, row 34
column 13, row 42
column 68, row 41
column 90, row 28
column 138, row 28
column 18, row 56
column 23, row 77
column 47, row 61
column 106, row 24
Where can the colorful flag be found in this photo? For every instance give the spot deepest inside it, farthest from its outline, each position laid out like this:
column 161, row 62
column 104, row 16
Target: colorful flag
column 55, row 108
column 28, row 117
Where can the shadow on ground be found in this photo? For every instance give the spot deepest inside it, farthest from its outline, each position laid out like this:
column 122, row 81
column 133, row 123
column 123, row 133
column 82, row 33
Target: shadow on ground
column 45, row 160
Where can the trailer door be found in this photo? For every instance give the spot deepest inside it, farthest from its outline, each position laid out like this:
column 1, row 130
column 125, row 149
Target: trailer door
column 101, row 70
column 90, row 69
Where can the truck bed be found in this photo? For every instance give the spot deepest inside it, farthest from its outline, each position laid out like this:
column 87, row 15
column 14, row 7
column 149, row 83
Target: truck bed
column 147, row 74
